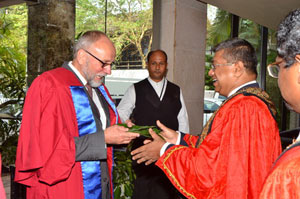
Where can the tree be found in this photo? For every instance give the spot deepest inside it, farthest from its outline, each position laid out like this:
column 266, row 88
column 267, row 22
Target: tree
column 12, row 76
column 129, row 23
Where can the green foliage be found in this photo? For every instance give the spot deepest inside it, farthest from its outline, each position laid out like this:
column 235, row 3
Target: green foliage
column 123, row 175
column 220, row 28
column 129, row 23
column 208, row 79
column 12, row 76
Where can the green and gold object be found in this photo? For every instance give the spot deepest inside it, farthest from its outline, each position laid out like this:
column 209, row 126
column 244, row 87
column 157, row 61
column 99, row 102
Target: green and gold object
column 142, row 130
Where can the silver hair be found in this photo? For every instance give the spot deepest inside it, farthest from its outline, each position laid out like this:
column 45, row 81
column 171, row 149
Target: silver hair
column 288, row 37
column 87, row 39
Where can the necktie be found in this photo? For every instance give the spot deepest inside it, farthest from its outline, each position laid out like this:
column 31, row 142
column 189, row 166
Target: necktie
column 90, row 91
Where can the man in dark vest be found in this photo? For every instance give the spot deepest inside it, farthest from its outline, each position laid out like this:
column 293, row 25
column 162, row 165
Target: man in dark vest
column 154, row 98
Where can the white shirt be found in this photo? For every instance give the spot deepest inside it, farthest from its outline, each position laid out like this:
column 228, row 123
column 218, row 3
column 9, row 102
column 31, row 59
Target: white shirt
column 127, row 104
column 238, row 88
column 95, row 97
column 163, row 148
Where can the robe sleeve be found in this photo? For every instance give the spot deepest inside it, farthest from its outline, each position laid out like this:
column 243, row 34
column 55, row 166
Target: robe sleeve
column 190, row 140
column 238, row 152
column 88, row 147
column 46, row 147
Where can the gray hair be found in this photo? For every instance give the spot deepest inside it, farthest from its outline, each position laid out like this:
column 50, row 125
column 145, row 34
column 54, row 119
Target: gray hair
column 288, row 37
column 87, row 39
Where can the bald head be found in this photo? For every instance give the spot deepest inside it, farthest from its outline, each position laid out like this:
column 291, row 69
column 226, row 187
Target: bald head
column 94, row 54
column 88, row 39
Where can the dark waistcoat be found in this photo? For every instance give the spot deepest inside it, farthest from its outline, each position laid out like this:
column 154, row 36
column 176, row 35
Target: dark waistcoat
column 149, row 108
column 151, row 182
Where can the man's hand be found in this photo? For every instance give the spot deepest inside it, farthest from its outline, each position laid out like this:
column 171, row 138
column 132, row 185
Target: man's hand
column 168, row 134
column 149, row 153
column 118, row 135
column 129, row 123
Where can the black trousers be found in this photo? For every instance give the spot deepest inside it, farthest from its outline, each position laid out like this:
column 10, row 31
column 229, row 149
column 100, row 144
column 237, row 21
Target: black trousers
column 151, row 182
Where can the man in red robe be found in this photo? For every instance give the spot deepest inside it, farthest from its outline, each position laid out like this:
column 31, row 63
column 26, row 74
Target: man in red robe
column 240, row 142
column 283, row 181
column 68, row 127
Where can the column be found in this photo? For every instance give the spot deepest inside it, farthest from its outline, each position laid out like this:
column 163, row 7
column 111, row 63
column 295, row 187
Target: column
column 51, row 29
column 179, row 28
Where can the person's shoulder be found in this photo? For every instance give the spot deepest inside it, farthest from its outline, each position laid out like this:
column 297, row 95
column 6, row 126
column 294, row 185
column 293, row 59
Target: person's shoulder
column 55, row 78
column 246, row 98
column 290, row 157
column 173, row 84
column 247, row 102
column 287, row 167
column 141, row 81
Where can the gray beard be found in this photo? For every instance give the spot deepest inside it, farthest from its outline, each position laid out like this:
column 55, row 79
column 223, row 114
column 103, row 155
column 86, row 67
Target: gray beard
column 95, row 84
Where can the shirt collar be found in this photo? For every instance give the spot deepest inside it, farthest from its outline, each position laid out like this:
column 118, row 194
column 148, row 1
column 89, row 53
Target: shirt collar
column 82, row 79
column 154, row 83
column 238, row 88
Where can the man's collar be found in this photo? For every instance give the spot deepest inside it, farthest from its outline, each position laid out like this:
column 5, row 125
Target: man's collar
column 238, row 88
column 154, row 82
column 81, row 78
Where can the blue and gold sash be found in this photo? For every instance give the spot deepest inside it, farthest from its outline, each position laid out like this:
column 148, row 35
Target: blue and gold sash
column 91, row 171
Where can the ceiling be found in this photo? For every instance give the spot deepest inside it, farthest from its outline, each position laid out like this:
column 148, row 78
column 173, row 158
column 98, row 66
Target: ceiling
column 5, row 3
column 268, row 13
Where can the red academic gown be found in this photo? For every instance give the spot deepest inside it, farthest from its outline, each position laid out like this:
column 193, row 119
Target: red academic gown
column 46, row 149
column 2, row 191
column 234, row 158
column 283, row 181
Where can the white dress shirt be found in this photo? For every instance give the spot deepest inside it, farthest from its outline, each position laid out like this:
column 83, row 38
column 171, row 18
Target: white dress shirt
column 127, row 104
column 94, row 98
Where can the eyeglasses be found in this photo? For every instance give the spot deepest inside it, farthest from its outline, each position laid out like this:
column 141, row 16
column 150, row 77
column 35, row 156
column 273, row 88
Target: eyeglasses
column 213, row 66
column 273, row 69
column 104, row 64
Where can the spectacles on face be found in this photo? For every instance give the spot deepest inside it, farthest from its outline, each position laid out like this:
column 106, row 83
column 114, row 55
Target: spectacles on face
column 213, row 66
column 273, row 68
column 104, row 64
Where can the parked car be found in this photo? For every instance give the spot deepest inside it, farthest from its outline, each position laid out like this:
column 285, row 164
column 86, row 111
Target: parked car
column 210, row 106
column 119, row 81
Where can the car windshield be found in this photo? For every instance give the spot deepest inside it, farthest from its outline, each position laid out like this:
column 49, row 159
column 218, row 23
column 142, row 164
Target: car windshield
column 210, row 107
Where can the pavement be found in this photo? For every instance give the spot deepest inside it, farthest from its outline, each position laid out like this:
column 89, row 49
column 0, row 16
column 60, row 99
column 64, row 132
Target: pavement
column 6, row 183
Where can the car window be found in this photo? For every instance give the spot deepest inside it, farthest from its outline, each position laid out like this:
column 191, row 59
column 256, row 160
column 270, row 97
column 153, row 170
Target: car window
column 210, row 107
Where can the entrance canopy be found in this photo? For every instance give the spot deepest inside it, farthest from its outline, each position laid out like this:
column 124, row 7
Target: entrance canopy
column 267, row 13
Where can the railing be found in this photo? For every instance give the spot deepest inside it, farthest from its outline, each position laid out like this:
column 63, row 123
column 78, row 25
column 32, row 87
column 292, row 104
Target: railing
column 128, row 65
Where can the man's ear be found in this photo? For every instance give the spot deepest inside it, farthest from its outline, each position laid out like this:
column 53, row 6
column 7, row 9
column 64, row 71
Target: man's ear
column 81, row 56
column 239, row 68
column 297, row 58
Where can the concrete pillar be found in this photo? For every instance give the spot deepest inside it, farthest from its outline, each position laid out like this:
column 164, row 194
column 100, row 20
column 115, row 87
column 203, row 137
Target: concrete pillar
column 51, row 30
column 179, row 28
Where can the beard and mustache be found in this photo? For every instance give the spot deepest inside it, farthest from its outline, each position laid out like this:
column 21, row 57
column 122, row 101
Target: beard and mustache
column 91, row 78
